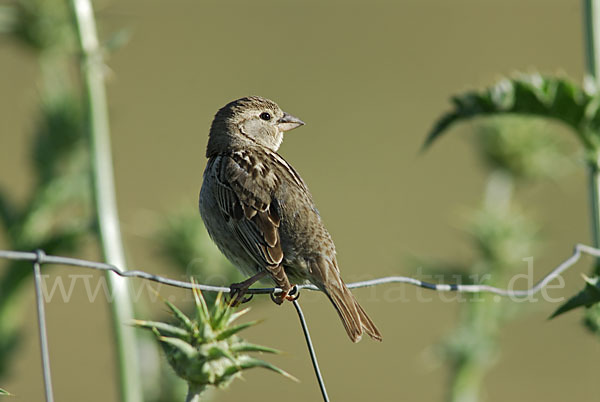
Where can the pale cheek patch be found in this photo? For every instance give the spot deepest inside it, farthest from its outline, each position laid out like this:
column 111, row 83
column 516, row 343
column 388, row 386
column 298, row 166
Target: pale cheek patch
column 278, row 140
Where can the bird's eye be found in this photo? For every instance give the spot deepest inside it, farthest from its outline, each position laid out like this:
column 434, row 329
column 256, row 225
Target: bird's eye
column 265, row 116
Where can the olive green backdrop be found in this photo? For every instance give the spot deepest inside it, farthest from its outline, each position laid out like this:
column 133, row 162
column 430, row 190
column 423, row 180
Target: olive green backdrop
column 368, row 78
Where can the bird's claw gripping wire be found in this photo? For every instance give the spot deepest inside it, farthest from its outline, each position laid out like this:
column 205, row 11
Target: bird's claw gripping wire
column 237, row 291
column 238, row 295
column 291, row 295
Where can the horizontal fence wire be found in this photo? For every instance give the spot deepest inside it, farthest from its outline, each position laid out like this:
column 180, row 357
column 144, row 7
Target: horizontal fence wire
column 40, row 258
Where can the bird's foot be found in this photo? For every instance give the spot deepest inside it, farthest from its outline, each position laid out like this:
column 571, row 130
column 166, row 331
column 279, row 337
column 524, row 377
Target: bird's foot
column 238, row 294
column 237, row 291
column 290, row 294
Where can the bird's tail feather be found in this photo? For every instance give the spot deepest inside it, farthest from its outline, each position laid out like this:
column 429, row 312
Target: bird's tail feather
column 354, row 318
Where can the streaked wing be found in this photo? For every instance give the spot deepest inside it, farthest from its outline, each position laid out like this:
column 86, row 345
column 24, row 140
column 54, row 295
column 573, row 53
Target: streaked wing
column 244, row 194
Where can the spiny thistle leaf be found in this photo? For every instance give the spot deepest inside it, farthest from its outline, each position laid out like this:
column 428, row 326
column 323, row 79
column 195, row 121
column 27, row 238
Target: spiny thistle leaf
column 589, row 296
column 220, row 313
column 250, row 347
column 531, row 95
column 201, row 307
column 216, row 352
column 179, row 346
column 251, row 362
column 206, row 351
column 163, row 328
column 234, row 316
column 234, row 330
column 181, row 317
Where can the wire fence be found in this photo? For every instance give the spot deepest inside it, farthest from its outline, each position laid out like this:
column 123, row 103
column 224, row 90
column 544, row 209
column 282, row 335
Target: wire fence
column 39, row 258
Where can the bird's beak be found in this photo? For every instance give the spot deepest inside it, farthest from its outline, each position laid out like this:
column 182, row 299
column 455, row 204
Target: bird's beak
column 289, row 122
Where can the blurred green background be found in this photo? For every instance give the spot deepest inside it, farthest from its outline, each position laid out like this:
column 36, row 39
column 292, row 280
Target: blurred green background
column 369, row 79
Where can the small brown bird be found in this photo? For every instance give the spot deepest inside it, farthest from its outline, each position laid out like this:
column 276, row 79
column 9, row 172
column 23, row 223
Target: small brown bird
column 261, row 215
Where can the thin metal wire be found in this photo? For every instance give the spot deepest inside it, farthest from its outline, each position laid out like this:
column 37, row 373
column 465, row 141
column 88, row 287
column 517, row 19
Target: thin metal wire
column 42, row 326
column 569, row 262
column 311, row 350
column 38, row 258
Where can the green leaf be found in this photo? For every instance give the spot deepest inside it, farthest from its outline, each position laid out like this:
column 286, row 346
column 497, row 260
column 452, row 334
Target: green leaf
column 236, row 315
column 8, row 211
column 202, row 312
column 42, row 24
column 531, row 95
column 234, row 330
column 57, row 205
column 181, row 346
column 524, row 148
column 250, row 347
column 163, row 329
column 4, row 392
column 589, row 296
column 216, row 352
column 220, row 312
column 251, row 362
column 189, row 324
column 58, row 135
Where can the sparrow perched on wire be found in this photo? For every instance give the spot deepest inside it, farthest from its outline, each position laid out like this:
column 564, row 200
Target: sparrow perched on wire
column 261, row 215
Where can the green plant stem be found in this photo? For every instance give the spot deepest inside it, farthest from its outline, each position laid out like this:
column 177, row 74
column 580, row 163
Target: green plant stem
column 480, row 324
column 594, row 187
column 481, row 316
column 591, row 12
column 592, row 314
column 105, row 200
column 194, row 392
column 592, row 42
column 592, row 46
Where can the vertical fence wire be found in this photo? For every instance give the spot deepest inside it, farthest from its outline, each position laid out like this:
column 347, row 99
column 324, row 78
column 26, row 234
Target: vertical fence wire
column 311, row 351
column 42, row 327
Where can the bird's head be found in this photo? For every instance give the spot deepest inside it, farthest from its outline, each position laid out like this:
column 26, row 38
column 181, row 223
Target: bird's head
column 249, row 120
